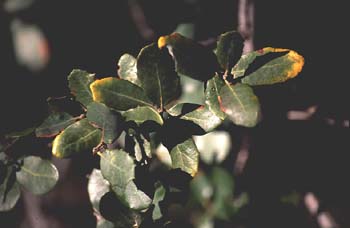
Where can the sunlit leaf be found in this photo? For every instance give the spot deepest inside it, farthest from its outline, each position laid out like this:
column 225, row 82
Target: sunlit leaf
column 119, row 94
column 79, row 84
column 212, row 96
column 229, row 49
column 118, row 168
column 156, row 71
column 159, row 195
column 240, row 104
column 276, row 70
column 134, row 198
column 127, row 69
column 76, row 138
column 191, row 58
column 37, row 175
column 109, row 121
column 141, row 114
column 185, row 157
column 103, row 223
column 204, row 118
column 54, row 124
column 97, row 187
column 142, row 145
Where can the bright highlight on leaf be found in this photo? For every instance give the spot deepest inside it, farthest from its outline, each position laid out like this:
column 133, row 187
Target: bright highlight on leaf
column 141, row 114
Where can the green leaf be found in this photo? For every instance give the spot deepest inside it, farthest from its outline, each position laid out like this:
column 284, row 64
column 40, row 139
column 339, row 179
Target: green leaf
column 119, row 94
column 185, row 157
column 54, row 124
column 223, row 193
column 19, row 134
column 277, row 70
column 192, row 91
column 156, row 71
column 97, row 187
column 204, row 118
column 134, row 198
column 159, row 195
column 212, row 96
column 127, row 69
column 79, row 84
column 186, row 30
column 109, row 121
column 9, row 192
column 103, row 223
column 191, row 58
column 201, row 189
column 118, row 168
column 142, row 114
column 37, row 175
column 76, row 138
column 240, row 104
column 142, row 145
column 287, row 66
column 229, row 49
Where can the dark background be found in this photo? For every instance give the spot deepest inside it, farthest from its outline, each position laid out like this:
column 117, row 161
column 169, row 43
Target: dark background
column 285, row 155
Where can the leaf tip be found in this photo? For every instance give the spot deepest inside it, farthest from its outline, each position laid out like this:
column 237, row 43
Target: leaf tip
column 298, row 63
column 162, row 42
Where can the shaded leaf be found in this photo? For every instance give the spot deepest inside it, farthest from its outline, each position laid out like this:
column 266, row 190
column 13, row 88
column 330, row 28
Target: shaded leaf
column 110, row 122
column 141, row 114
column 159, row 195
column 156, row 71
column 204, row 118
column 118, row 168
column 54, row 124
column 79, row 84
column 240, row 104
column 276, row 70
column 134, row 198
column 37, row 175
column 3, row 169
column 127, row 69
column 191, row 58
column 229, row 49
column 114, row 210
column 119, row 94
column 185, row 157
column 176, row 131
column 212, row 96
column 19, row 134
column 9, row 192
column 76, row 138
column 186, row 30
column 182, row 108
column 97, row 187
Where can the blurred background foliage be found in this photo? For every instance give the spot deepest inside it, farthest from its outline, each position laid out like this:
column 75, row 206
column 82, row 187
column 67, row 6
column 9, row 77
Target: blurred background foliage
column 292, row 165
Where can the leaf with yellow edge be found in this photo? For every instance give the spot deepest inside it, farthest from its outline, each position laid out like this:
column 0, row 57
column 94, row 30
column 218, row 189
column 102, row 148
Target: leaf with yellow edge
column 185, row 156
column 119, row 94
column 276, row 70
column 76, row 138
